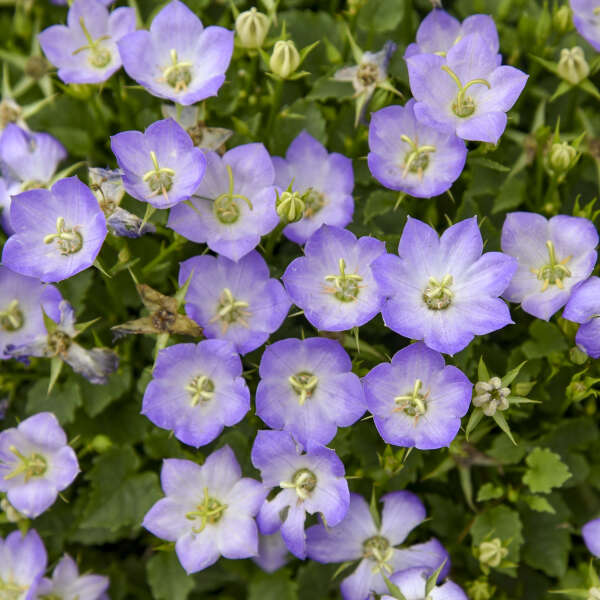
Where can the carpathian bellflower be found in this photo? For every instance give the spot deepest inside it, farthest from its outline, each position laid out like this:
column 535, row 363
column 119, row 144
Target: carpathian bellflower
column 584, row 307
column 22, row 566
column 413, row 585
column 586, row 18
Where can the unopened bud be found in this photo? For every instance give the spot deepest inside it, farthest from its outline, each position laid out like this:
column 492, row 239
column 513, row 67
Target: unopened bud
column 594, row 593
column 562, row 156
column 101, row 443
column 481, row 589
column 12, row 514
column 491, row 396
column 492, row 553
column 572, row 65
column 285, row 58
column 561, row 19
column 252, row 28
column 290, row 207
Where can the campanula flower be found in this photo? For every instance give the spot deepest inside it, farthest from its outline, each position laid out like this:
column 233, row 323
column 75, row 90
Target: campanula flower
column 85, row 50
column 410, row 156
column 160, row 166
column 417, row 400
column 58, row 232
column 196, row 390
column 442, row 290
column 584, row 307
column 591, row 536
column 466, row 92
column 272, row 552
column 412, row 583
column 23, row 564
column 234, row 205
column 310, row 481
column 333, row 283
column 307, row 388
column 208, row 510
column 35, row 463
column 323, row 180
column 586, row 18
column 178, row 59
column 22, row 300
column 234, row 301
column 377, row 547
column 553, row 256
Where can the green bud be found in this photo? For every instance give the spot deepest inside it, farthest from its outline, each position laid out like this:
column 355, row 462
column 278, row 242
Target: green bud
column 561, row 20
column 481, row 589
column 101, row 443
column 492, row 553
column 577, row 356
column 285, row 58
column 81, row 91
column 290, row 206
column 12, row 514
column 562, row 157
column 252, row 28
column 572, row 65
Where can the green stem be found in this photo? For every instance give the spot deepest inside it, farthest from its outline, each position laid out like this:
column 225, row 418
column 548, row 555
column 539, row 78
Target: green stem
column 275, row 104
column 273, row 239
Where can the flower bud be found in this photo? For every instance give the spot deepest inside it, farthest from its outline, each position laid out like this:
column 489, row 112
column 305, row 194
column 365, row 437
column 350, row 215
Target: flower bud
column 285, row 58
column 561, row 20
column 481, row 589
column 12, row 514
column 290, row 207
column 572, row 65
column 252, row 28
column 492, row 553
column 562, row 156
column 491, row 396
column 594, row 593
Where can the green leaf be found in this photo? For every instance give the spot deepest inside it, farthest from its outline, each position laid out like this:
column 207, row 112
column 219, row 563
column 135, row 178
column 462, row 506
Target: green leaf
column 97, row 397
column 275, row 586
column 538, row 504
column 167, row 579
column 381, row 15
column 503, row 424
column 547, row 339
column 482, row 371
column 63, row 400
column 488, row 163
column 512, row 374
column 489, row 491
column 474, row 420
column 546, row 471
column 378, row 203
column 393, row 589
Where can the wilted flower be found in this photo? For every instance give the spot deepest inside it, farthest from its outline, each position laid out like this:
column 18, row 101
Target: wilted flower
column 85, row 51
column 311, row 482
column 208, row 510
column 252, row 28
column 415, row 584
column 572, row 65
column 23, row 564
column 272, row 552
column 207, row 138
column 178, row 59
column 586, row 18
column 584, row 307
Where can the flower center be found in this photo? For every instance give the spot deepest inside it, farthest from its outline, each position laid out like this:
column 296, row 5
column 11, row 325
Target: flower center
column 12, row 318
column 438, row 295
column 208, row 512
column 304, row 482
column 413, row 404
column 554, row 271
column 68, row 239
column 313, row 202
column 464, row 105
column 201, row 389
column 367, row 74
column 58, row 343
column 34, row 465
column 417, row 159
column 345, row 285
column 159, row 179
column 304, row 384
column 11, row 591
column 99, row 56
column 230, row 311
column 178, row 74
column 378, row 550
column 225, row 206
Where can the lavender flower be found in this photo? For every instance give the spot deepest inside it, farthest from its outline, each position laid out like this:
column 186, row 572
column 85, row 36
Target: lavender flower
column 272, row 552
column 64, row 2
column 160, row 166
column 438, row 32
column 442, row 290
column 234, row 204
column 466, row 92
column 35, row 463
column 311, row 482
column 324, row 181
column 584, row 307
column 586, row 18
column 22, row 300
column 307, row 388
column 412, row 583
column 378, row 548
column 553, row 255
column 417, row 400
column 410, row 156
column 58, row 232
column 197, row 389
column 178, row 59
column 208, row 510
column 240, row 304
column 22, row 566
column 591, row 536
column 85, row 51
column 333, row 282
column 67, row 584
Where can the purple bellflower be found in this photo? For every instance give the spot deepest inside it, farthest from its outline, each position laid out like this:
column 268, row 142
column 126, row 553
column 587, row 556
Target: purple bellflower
column 591, row 536
column 23, row 561
column 307, row 388
column 584, row 307
column 416, row 400
column 466, row 92
column 272, row 552
column 333, row 282
column 443, row 290
column 85, row 50
column 410, row 156
column 311, row 482
column 553, row 256
column 160, row 166
column 58, row 232
column 234, row 205
column 234, row 301
column 22, row 300
column 439, row 31
column 68, row 584
column 378, row 548
column 35, row 463
column 178, row 59
column 325, row 181
column 197, row 389
column 208, row 510
column 65, row 2
column 412, row 583
column 586, row 18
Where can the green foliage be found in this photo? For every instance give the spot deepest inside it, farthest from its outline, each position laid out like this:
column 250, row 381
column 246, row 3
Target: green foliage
column 545, row 471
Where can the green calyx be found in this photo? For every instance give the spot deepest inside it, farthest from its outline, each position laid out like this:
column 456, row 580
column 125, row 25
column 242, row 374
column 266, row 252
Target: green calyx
column 12, row 318
column 464, row 105
column 345, row 286
column 208, row 512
